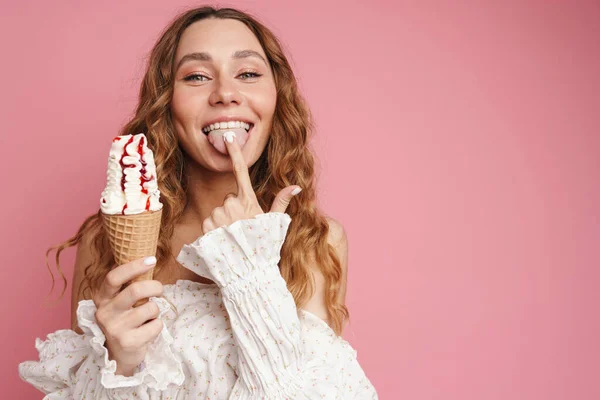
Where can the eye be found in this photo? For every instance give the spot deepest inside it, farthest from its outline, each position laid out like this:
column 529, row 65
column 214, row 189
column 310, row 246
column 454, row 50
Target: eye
column 253, row 74
column 245, row 75
column 191, row 78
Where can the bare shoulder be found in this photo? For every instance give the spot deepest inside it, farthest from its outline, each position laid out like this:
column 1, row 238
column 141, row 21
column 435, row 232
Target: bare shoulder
column 337, row 235
column 338, row 239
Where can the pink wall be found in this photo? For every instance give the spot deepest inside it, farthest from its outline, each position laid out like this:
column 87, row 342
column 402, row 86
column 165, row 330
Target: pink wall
column 459, row 145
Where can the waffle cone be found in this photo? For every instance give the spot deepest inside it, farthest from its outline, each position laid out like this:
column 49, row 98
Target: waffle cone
column 132, row 237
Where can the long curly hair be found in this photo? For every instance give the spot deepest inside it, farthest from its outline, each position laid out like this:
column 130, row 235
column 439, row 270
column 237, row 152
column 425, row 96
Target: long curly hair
column 286, row 160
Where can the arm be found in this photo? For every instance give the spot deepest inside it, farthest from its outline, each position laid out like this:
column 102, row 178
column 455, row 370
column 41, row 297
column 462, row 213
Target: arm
column 277, row 360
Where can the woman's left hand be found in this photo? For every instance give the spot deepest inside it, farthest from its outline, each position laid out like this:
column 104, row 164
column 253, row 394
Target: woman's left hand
column 244, row 204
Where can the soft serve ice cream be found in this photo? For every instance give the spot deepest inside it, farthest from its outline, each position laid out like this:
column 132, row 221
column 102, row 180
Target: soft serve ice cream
column 131, row 186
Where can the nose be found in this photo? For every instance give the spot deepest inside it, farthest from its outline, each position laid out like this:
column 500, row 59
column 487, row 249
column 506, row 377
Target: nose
column 225, row 93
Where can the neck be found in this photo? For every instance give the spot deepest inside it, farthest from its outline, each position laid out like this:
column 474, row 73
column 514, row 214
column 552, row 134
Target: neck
column 206, row 190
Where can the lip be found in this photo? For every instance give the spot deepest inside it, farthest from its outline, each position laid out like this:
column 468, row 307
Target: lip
column 229, row 118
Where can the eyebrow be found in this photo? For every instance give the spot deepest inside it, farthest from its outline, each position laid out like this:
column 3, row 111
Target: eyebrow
column 207, row 57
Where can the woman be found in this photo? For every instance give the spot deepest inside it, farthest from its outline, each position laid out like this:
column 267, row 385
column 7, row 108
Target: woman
column 258, row 296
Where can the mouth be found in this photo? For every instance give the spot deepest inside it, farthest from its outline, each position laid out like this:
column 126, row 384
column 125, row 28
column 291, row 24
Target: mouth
column 228, row 125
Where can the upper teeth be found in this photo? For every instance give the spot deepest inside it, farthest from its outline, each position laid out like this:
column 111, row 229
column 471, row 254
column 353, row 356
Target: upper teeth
column 226, row 125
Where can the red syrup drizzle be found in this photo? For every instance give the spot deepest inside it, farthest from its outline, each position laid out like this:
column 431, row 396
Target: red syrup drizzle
column 123, row 166
column 143, row 171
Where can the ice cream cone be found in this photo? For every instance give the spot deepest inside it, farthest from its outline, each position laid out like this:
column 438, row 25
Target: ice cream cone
column 132, row 237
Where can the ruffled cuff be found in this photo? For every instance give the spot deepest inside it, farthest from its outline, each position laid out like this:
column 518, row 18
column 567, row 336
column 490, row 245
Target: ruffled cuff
column 160, row 367
column 60, row 356
column 247, row 250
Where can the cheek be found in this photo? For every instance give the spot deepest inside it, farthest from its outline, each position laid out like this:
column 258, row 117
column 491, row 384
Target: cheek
column 178, row 106
column 266, row 104
column 267, row 110
column 182, row 117
column 185, row 104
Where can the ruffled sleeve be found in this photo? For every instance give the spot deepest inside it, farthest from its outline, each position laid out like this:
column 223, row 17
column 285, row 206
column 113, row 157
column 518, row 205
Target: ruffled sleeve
column 275, row 360
column 75, row 366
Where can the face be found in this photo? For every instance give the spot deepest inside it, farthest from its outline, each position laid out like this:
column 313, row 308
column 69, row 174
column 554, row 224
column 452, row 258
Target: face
column 221, row 72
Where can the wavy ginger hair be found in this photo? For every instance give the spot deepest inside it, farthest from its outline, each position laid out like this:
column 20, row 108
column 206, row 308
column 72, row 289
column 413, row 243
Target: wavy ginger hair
column 286, row 160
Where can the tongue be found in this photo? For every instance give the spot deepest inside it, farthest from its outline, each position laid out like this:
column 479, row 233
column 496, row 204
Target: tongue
column 215, row 137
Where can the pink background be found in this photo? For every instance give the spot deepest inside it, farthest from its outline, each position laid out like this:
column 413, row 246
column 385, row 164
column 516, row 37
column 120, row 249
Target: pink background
column 458, row 144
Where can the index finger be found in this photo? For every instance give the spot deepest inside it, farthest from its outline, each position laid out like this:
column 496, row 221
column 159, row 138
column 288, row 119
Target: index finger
column 240, row 169
column 122, row 274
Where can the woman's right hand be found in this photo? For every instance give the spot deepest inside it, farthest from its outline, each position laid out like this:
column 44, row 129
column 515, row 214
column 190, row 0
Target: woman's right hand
column 128, row 329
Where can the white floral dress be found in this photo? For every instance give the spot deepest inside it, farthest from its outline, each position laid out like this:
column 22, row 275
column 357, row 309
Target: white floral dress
column 241, row 338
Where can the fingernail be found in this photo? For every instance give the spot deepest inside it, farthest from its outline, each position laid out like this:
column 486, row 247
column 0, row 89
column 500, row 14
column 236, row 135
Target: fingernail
column 228, row 136
column 150, row 260
column 296, row 191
